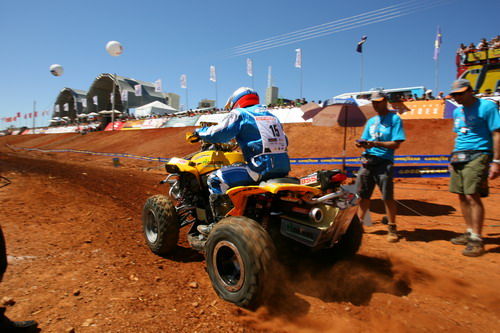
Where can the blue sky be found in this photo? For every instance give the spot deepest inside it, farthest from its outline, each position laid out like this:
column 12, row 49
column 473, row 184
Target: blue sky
column 164, row 39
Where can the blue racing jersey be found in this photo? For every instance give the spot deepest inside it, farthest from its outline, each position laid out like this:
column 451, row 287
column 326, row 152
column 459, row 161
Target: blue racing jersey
column 475, row 124
column 384, row 128
column 260, row 137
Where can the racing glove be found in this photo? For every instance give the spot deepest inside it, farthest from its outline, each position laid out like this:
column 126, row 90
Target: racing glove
column 193, row 137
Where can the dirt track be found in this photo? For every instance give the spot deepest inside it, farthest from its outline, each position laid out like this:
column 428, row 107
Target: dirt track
column 78, row 259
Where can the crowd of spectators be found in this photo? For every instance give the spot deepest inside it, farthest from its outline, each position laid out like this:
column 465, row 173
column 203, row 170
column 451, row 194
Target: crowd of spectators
column 483, row 45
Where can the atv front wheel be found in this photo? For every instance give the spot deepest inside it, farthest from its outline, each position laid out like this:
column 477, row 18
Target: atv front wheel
column 160, row 224
column 239, row 256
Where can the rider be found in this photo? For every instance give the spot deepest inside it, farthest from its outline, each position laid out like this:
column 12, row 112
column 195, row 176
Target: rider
column 260, row 137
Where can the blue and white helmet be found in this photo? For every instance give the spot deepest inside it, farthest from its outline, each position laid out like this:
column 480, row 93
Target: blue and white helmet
column 241, row 98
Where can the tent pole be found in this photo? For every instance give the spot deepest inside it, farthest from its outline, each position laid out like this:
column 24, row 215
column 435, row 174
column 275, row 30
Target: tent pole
column 344, row 109
column 113, row 104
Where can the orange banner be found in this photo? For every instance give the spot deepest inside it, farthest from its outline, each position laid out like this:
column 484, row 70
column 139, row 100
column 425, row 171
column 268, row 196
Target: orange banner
column 420, row 109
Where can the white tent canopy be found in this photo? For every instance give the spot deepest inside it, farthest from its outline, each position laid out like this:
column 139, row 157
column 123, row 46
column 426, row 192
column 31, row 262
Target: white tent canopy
column 154, row 108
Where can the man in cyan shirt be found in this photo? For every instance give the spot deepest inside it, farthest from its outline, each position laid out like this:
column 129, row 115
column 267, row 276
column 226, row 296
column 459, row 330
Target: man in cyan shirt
column 381, row 137
column 477, row 124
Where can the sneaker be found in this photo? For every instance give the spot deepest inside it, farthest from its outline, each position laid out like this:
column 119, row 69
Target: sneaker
column 392, row 234
column 204, row 229
column 475, row 248
column 461, row 240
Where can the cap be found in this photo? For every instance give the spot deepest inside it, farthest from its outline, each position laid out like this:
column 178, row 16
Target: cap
column 378, row 96
column 459, row 86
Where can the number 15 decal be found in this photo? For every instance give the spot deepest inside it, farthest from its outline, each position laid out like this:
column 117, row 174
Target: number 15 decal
column 275, row 130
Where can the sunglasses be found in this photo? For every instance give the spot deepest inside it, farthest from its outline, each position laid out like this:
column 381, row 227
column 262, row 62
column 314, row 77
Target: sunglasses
column 458, row 94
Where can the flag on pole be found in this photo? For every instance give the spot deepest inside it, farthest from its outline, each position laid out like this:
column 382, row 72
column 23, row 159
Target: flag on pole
column 158, row 85
column 57, row 108
column 84, row 102
column 249, row 67
column 111, row 97
column 269, row 77
column 18, row 115
column 359, row 48
column 184, row 81
column 94, row 99
column 298, row 58
column 66, row 107
column 36, row 114
column 138, row 90
column 124, row 96
column 213, row 76
column 25, row 116
column 30, row 115
column 437, row 43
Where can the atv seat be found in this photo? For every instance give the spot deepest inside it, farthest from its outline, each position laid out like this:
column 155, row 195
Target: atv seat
column 284, row 180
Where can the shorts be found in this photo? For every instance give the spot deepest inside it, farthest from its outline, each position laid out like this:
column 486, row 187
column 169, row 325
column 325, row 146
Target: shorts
column 380, row 174
column 471, row 177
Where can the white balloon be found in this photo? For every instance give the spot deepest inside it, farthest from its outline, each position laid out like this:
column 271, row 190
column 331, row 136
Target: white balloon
column 56, row 69
column 114, row 48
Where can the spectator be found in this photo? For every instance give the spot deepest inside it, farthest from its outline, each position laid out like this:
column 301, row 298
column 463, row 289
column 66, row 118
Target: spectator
column 483, row 45
column 382, row 135
column 461, row 52
column 6, row 325
column 440, row 95
column 471, row 48
column 495, row 42
column 477, row 124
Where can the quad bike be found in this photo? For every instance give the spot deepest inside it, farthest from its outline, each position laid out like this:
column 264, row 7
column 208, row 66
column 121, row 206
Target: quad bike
column 245, row 229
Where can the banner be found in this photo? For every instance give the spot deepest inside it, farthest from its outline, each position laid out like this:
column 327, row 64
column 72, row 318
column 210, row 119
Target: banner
column 117, row 125
column 433, row 109
column 403, row 159
column 298, row 58
column 84, row 102
column 111, row 97
column 124, row 96
column 437, row 43
column 66, row 107
column 36, row 114
column 143, row 124
column 411, row 172
column 18, row 115
column 213, row 77
column 249, row 67
column 184, row 81
column 95, row 100
column 399, row 171
column 138, row 90
column 158, row 84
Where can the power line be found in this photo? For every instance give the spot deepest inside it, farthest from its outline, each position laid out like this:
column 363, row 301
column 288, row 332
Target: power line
column 380, row 15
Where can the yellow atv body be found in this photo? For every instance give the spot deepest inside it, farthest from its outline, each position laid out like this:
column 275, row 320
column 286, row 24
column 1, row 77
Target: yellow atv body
column 242, row 248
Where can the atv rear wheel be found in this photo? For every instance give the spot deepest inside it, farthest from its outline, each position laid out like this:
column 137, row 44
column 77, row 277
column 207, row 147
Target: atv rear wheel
column 160, row 224
column 350, row 242
column 239, row 255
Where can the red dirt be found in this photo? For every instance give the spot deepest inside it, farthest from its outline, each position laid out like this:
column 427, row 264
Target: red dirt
column 78, row 259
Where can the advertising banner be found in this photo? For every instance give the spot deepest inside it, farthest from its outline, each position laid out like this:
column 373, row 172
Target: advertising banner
column 433, row 109
column 181, row 121
column 117, row 125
